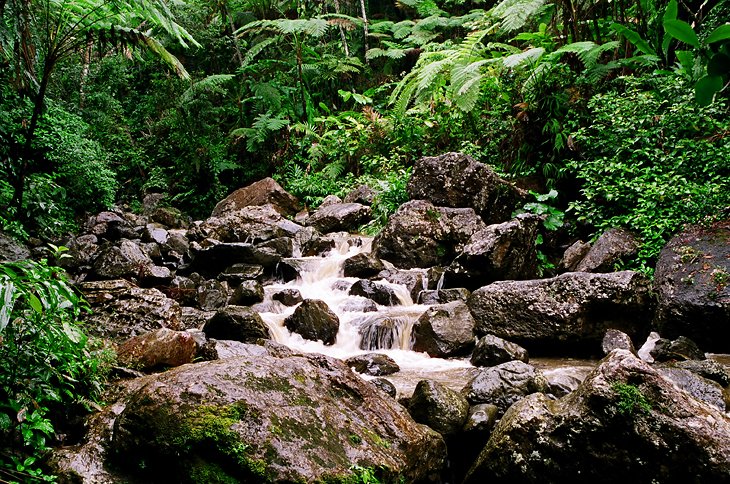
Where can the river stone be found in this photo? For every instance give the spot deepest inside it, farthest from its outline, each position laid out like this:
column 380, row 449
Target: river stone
column 612, row 246
column 692, row 279
column 596, row 435
column 262, row 192
column 573, row 255
column 314, row 320
column 362, row 266
column 362, row 194
column 710, row 369
column 155, row 233
column 681, row 348
column 122, row 310
column 702, row 389
column 385, row 386
column 456, row 180
column 439, row 407
column 251, row 224
column 158, row 349
column 380, row 293
column 247, row 293
column 237, row 323
column 213, row 260
column 498, row 252
column 339, row 216
column 374, row 364
column 288, row 297
column 505, row 384
column 615, row 339
column 266, row 419
column 212, row 295
column 443, row 296
column 569, row 313
column 420, row 234
column 126, row 260
column 444, row 331
column 412, row 280
column 237, row 273
column 492, row 351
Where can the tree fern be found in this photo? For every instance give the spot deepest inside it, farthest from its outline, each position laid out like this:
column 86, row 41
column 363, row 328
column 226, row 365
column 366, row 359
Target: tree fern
column 514, row 14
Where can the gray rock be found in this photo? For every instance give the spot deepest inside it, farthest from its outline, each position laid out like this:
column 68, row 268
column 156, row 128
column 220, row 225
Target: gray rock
column 681, row 348
column 314, row 320
column 374, row 364
column 692, row 280
column 237, row 273
column 380, row 293
column 573, row 255
column 194, row 318
column 330, row 200
column 252, row 224
column 601, row 433
column 237, row 323
column 420, row 234
column 224, row 348
column 363, row 194
column 505, row 384
column 340, row 216
column 262, row 192
column 700, row 388
column 561, row 384
column 492, row 351
column 443, row 296
column 247, row 293
column 615, row 339
column 288, row 297
column 183, row 290
column 412, row 280
column 171, row 218
column 212, row 295
column 385, row 386
column 281, row 246
column 126, row 260
column 162, row 348
column 611, row 247
column 710, row 369
column 155, row 233
column 456, row 180
column 362, row 265
column 568, row 313
column 444, row 330
column 439, row 407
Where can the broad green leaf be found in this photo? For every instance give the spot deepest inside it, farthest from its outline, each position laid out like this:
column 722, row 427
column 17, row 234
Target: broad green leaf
column 35, row 303
column 7, row 290
column 706, row 88
column 719, row 65
column 672, row 10
column 720, row 33
column 682, row 31
column 633, row 37
column 686, row 60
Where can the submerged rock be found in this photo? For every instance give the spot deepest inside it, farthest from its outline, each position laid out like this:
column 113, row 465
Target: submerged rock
column 380, row 293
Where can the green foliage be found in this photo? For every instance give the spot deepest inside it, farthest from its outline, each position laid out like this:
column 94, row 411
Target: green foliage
column 391, row 193
column 47, row 363
column 652, row 160
column 552, row 216
column 630, row 399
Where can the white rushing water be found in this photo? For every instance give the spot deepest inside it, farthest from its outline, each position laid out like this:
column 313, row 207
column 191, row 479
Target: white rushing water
column 390, row 327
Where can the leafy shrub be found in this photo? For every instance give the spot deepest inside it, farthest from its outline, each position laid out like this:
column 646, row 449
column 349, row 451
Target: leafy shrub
column 391, row 194
column 47, row 363
column 652, row 160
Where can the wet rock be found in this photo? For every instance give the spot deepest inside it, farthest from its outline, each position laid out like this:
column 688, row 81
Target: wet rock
column 158, row 349
column 710, row 369
column 498, row 252
column 314, row 320
column 573, row 255
column 412, row 280
column 237, row 273
column 251, row 225
column 615, row 339
column 456, row 180
column 443, row 296
column 362, row 265
column 374, row 364
column 312, row 243
column 215, row 259
column 282, row 246
column 700, row 388
column 444, row 331
column 561, row 384
column 569, row 313
column 223, row 348
column 359, row 305
column 679, row 349
column 385, row 386
column 237, row 323
column 83, row 251
column 692, row 279
column 420, row 234
column 492, row 351
column 612, row 246
column 247, row 293
column 122, row 310
column 625, row 423
column 262, row 192
column 177, row 242
column 481, row 418
column 505, row 384
column 154, row 276
column 266, row 406
column 183, row 290
column 380, row 293
column 288, row 297
column 439, row 407
column 645, row 351
column 212, row 295
column 339, row 216
column 363, row 194
column 126, row 260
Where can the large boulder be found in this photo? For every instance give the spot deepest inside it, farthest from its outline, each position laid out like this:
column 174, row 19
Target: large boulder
column 380, row 293
column 237, row 323
column 444, row 330
column 252, row 224
column 362, row 194
column 314, row 320
column 625, row 423
column 497, row 252
column 213, row 260
column 456, row 180
column 262, row 192
column 420, row 234
column 339, row 216
column 158, row 349
column 439, row 407
column 505, row 384
column 362, row 265
column 611, row 247
column 692, row 280
column 125, row 260
column 569, row 313
column 11, row 249
column 265, row 419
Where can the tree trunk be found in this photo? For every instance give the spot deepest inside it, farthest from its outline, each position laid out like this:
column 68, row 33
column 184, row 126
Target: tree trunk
column 365, row 26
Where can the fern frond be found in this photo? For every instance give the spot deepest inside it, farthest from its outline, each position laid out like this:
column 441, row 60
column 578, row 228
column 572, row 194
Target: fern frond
column 514, row 14
column 528, row 56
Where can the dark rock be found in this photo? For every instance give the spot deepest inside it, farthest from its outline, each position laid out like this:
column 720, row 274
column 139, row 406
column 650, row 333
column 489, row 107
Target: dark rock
column 288, row 297
column 212, row 295
column 380, row 293
column 679, row 349
column 247, row 293
column 363, row 194
column 362, row 265
column 330, row 200
column 692, row 279
column 194, row 318
column 568, row 313
column 154, row 276
column 505, row 384
column 385, row 386
column 611, row 247
column 183, row 290
column 615, row 339
column 314, row 320
column 456, row 180
column 177, row 241
column 573, row 255
column 359, row 305
column 151, row 201
column 212, row 261
column 420, row 234
column 443, row 296
column 700, row 388
column 375, row 364
column 340, row 216
column 436, row 277
column 499, row 252
column 444, row 331
column 412, row 280
column 710, row 369
column 439, row 407
column 158, row 349
column 341, row 285
column 481, row 418
column 282, row 246
column 561, row 384
column 237, row 273
column 237, row 323
column 83, row 251
column 310, row 242
column 11, row 249
column 251, row 225
column 492, row 351
column 171, row 218
column 379, row 332
column 126, row 260
column 602, row 433
column 262, row 192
